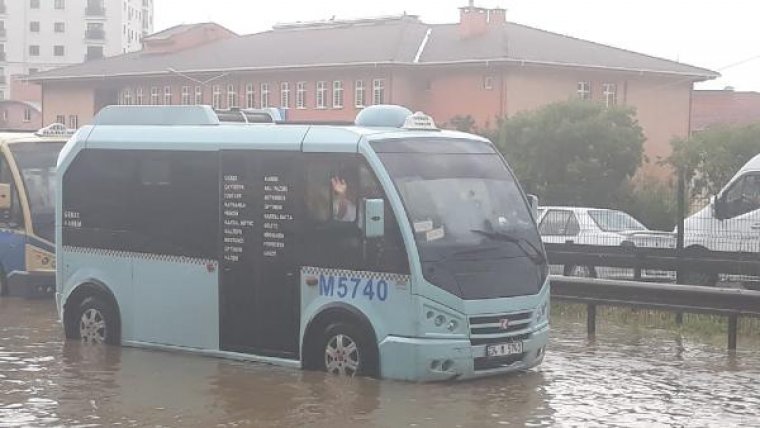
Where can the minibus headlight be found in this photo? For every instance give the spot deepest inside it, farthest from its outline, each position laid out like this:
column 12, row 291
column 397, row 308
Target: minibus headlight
column 438, row 320
column 542, row 313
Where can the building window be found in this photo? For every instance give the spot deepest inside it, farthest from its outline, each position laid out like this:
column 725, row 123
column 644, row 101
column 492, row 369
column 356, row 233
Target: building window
column 285, row 95
column 139, row 96
column 198, row 95
column 216, row 97
column 154, row 100
column 185, row 95
column 250, row 96
column 34, row 4
column 94, row 52
column 167, row 95
column 488, row 83
column 360, row 94
column 27, row 114
column 338, row 94
column 301, row 95
column 33, row 70
column 126, row 97
column 232, row 97
column 59, row 50
column 61, row 119
column 59, row 27
column 60, row 4
column 378, row 91
column 584, row 90
column 73, row 121
column 265, row 95
column 610, row 94
column 34, row 26
column 34, row 50
column 321, row 94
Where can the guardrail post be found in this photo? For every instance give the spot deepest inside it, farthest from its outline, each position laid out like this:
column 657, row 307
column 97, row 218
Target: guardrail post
column 591, row 319
column 733, row 327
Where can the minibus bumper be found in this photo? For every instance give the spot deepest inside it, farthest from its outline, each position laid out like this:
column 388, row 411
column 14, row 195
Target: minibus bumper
column 31, row 284
column 426, row 360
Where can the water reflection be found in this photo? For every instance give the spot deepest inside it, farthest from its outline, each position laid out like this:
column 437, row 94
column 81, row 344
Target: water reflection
column 625, row 376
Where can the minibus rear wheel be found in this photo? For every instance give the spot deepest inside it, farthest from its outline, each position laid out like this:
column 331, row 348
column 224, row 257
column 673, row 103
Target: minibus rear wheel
column 97, row 322
column 346, row 350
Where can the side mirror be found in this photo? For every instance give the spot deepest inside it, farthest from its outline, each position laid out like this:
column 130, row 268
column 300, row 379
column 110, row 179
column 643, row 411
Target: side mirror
column 533, row 202
column 5, row 197
column 374, row 218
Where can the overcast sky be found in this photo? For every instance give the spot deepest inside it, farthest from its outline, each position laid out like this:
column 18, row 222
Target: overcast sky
column 722, row 35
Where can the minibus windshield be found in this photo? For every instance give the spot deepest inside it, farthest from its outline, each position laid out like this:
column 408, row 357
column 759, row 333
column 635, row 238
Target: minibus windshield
column 474, row 230
column 36, row 162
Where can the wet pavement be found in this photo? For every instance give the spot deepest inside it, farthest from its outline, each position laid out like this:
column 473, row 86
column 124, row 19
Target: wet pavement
column 627, row 377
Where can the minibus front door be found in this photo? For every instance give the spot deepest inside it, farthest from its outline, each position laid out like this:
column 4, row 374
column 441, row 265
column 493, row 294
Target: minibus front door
column 259, row 293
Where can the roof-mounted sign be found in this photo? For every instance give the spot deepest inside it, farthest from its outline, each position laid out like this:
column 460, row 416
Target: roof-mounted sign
column 55, row 130
column 420, row 121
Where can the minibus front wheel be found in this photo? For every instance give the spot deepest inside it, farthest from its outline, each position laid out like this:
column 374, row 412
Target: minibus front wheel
column 345, row 350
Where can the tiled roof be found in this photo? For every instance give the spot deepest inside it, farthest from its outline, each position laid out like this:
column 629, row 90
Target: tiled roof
column 396, row 40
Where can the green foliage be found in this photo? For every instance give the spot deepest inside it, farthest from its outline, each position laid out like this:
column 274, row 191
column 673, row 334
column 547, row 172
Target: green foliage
column 573, row 153
column 461, row 123
column 710, row 158
column 652, row 201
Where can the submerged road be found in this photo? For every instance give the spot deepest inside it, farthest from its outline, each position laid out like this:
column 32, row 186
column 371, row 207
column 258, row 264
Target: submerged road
column 626, row 377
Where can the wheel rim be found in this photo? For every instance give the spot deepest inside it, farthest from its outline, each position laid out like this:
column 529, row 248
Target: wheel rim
column 92, row 327
column 342, row 356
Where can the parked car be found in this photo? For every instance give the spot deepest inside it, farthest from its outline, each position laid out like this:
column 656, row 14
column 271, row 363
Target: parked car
column 604, row 227
column 730, row 222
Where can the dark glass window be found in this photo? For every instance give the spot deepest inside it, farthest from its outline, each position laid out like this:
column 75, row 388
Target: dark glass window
column 554, row 223
column 14, row 217
column 743, row 196
column 335, row 189
column 160, row 202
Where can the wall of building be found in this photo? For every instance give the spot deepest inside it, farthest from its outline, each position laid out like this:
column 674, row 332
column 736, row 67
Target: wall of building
column 117, row 20
column 18, row 115
column 75, row 102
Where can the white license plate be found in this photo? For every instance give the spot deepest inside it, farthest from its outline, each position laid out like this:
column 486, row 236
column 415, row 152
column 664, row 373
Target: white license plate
column 504, row 349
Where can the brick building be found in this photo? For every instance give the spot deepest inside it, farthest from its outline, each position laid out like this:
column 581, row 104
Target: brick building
column 483, row 66
column 724, row 107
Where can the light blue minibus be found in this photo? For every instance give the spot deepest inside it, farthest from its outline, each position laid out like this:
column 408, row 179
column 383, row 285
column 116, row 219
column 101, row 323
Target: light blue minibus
column 385, row 248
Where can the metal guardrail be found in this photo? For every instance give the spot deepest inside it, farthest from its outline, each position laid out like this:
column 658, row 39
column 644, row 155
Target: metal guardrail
column 654, row 258
column 680, row 299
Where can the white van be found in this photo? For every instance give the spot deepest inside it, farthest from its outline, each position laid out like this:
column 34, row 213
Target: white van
column 730, row 222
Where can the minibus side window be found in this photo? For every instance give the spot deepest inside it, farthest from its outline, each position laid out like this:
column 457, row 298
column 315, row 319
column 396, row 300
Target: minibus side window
column 743, row 196
column 12, row 218
column 335, row 187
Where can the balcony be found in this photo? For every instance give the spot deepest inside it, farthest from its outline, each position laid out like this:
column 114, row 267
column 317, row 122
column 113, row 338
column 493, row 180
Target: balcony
column 95, row 35
column 2, row 9
column 3, row 79
column 2, row 56
column 95, row 12
column 3, row 33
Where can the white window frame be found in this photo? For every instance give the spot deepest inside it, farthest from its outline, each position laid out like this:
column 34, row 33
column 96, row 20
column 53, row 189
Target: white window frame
column 232, row 96
column 264, row 90
column 337, row 94
column 583, row 90
column 27, row 115
column 378, row 91
column 198, row 99
column 216, row 97
column 488, row 83
column 285, row 95
column 73, row 121
column 139, row 96
column 610, row 94
column 61, row 118
column 185, row 99
column 360, row 94
column 167, row 95
column 60, row 4
column 154, row 97
column 250, row 96
column 126, row 97
column 301, row 95
column 321, row 94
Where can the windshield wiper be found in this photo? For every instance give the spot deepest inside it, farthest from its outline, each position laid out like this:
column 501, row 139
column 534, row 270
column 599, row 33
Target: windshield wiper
column 534, row 254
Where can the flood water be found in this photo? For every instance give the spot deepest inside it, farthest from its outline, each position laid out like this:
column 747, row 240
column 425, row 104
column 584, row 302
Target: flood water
column 626, row 377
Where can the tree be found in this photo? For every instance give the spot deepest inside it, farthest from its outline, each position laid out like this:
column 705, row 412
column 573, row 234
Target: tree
column 710, row 158
column 574, row 152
